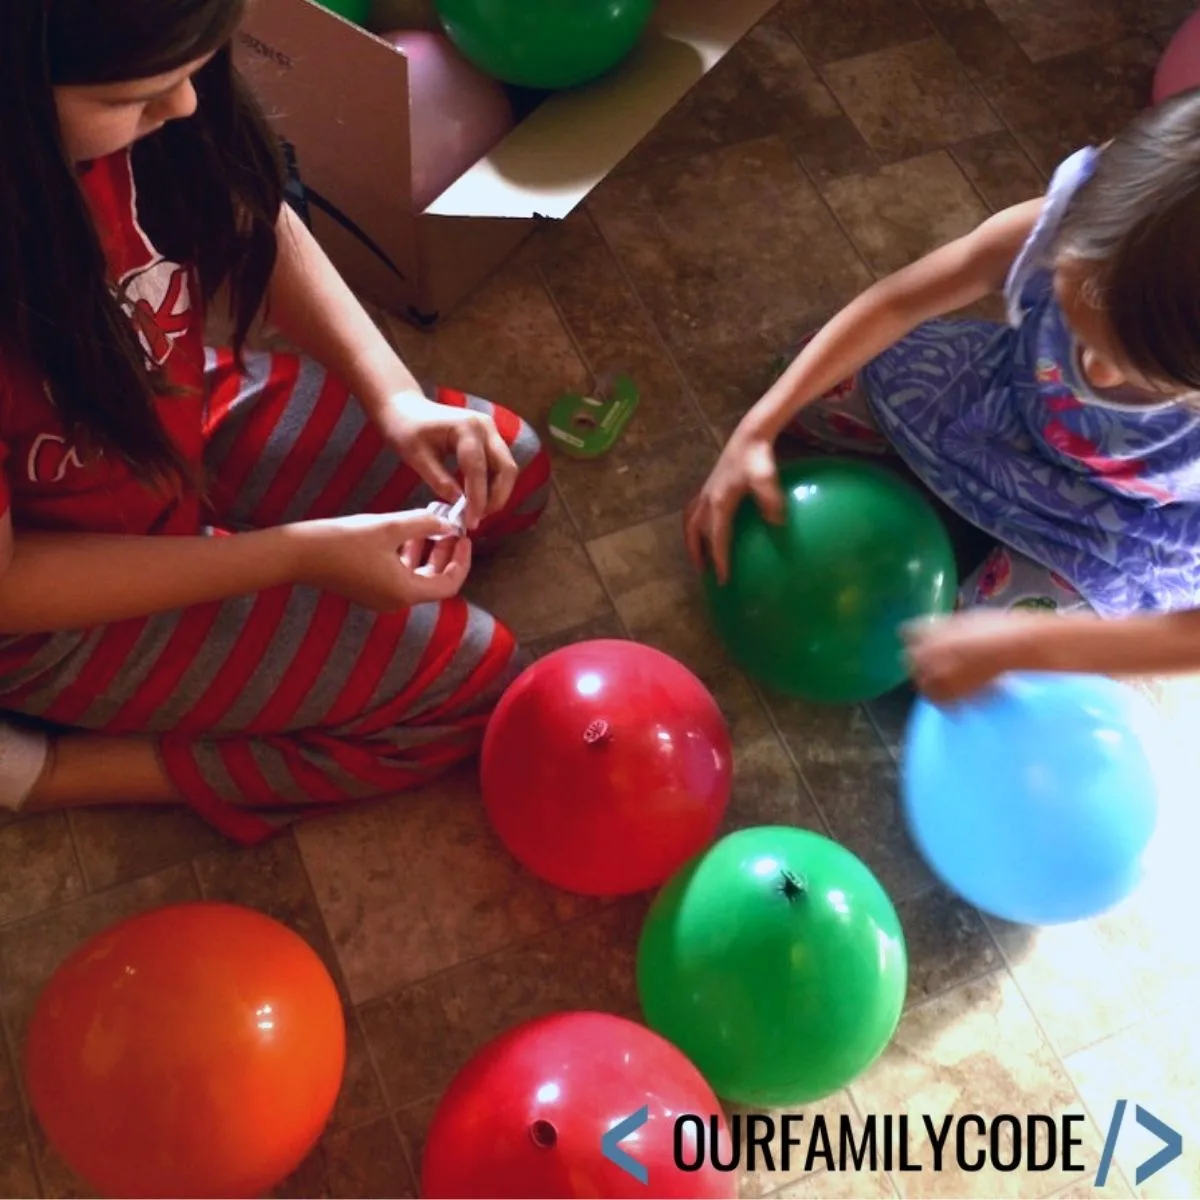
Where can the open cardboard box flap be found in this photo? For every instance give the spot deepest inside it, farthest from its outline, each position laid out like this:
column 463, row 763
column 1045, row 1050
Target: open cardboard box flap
column 558, row 154
column 337, row 97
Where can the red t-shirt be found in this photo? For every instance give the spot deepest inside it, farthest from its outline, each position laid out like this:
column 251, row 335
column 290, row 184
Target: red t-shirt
column 43, row 480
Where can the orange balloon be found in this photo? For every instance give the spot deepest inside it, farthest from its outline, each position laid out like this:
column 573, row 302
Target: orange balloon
column 196, row 1050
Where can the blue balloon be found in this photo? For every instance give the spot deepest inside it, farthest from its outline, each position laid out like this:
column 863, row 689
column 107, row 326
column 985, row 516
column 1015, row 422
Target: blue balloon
column 1035, row 800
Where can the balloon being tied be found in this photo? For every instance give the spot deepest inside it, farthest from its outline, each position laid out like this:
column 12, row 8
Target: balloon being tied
column 456, row 113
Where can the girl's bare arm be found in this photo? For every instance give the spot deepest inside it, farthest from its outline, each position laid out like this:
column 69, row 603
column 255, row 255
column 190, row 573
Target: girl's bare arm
column 951, row 277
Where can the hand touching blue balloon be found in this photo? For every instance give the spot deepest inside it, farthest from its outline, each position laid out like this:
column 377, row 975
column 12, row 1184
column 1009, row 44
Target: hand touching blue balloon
column 1035, row 800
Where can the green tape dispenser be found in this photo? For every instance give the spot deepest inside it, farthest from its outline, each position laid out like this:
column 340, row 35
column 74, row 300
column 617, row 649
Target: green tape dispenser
column 588, row 426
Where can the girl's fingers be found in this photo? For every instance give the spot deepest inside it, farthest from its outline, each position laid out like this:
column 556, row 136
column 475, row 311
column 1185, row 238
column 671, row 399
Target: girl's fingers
column 441, row 554
column 473, row 465
column 412, row 552
column 504, row 471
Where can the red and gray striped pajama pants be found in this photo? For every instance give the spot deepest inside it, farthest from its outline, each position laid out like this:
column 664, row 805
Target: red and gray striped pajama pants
column 293, row 698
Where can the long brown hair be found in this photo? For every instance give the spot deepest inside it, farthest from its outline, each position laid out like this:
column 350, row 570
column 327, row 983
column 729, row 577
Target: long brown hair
column 209, row 192
column 1135, row 227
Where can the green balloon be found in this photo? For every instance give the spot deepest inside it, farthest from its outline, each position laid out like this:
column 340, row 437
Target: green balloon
column 546, row 44
column 776, row 963
column 357, row 11
column 812, row 608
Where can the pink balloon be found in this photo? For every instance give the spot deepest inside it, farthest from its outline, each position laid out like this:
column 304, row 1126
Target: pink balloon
column 457, row 114
column 1179, row 67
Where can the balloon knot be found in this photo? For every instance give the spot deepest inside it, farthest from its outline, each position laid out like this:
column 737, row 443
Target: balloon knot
column 791, row 887
column 598, row 731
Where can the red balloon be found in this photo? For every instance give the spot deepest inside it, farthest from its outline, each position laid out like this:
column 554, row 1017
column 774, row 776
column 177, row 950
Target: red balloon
column 196, row 1050
column 606, row 766
column 525, row 1117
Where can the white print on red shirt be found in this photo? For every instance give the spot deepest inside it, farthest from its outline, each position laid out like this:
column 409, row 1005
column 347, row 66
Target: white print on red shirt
column 156, row 296
column 49, row 457
column 158, row 300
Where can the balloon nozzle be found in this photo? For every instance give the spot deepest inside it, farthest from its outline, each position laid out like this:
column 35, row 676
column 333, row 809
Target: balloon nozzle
column 543, row 1135
column 791, row 886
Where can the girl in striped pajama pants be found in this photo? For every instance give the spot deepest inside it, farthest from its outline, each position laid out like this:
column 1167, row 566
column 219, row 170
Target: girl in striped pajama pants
column 222, row 581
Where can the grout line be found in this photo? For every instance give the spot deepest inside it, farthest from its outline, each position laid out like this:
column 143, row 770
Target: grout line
column 10, row 1049
column 75, row 850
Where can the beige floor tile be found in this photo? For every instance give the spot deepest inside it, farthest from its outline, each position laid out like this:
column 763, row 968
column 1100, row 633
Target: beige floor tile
column 764, row 86
column 59, row 1182
column 832, row 1185
column 974, row 32
column 767, row 788
column 40, row 866
column 32, row 949
column 657, row 594
column 1156, row 1064
column 714, row 259
column 270, row 878
column 540, row 583
column 1050, row 28
column 1055, row 107
column 999, row 170
column 638, row 481
column 948, row 943
column 506, row 343
column 410, row 888
column 119, row 844
column 854, row 780
column 362, row 1163
column 17, row 1177
column 903, row 211
column 977, row 1049
column 12, row 1114
column 603, row 628
column 372, row 908
column 830, row 30
column 1090, row 979
column 910, row 99
column 423, row 1035
column 361, row 1098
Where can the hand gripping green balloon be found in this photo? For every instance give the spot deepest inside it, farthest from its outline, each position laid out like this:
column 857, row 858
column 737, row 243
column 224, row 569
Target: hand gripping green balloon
column 776, row 963
column 813, row 607
column 545, row 44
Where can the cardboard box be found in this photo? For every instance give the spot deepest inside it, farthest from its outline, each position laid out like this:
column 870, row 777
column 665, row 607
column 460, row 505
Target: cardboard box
column 338, row 97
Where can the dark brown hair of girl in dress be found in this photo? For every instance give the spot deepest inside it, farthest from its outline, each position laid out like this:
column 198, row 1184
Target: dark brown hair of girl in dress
column 209, row 192
column 1137, row 220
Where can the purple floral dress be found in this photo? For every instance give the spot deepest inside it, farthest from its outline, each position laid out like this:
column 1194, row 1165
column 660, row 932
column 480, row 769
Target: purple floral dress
column 999, row 422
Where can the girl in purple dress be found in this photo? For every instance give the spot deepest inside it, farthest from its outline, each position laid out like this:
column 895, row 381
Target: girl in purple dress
column 1070, row 435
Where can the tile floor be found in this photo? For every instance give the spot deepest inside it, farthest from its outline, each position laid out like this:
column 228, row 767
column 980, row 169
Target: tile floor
column 840, row 140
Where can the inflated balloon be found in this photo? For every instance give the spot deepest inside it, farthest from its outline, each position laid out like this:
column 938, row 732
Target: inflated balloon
column 776, row 963
column 456, row 113
column 526, row 1117
column 545, row 44
column 1035, row 800
column 1179, row 67
column 813, row 607
column 358, row 11
column 605, row 766
column 196, row 1050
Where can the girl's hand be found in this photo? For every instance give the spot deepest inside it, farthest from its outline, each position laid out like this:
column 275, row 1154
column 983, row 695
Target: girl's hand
column 383, row 562
column 746, row 467
column 426, row 434
column 954, row 658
